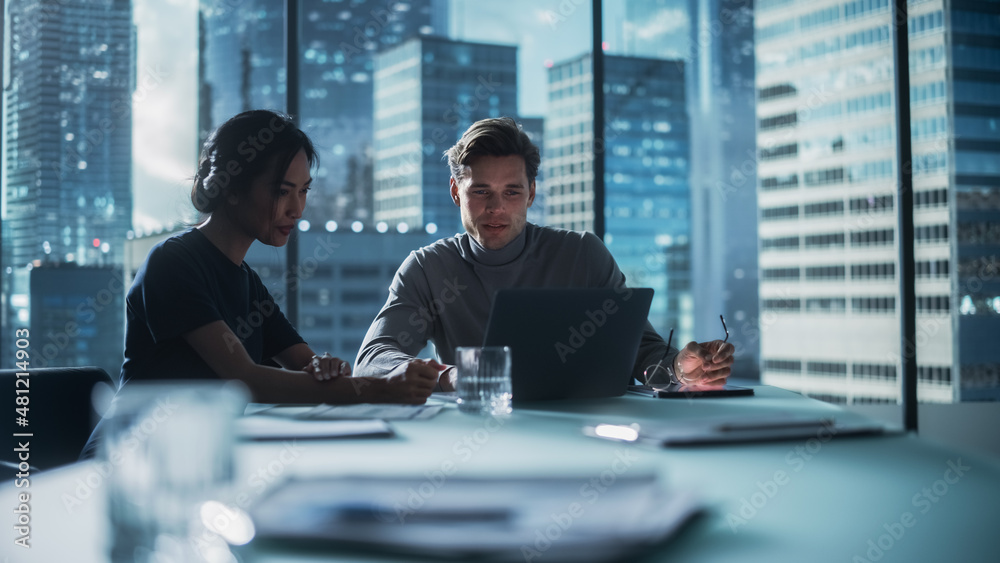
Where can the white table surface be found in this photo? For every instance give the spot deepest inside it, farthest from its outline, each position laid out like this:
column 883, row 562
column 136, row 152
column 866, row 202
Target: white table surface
column 836, row 496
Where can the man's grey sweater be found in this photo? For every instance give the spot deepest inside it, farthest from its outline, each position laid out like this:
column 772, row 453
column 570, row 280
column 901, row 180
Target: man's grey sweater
column 443, row 293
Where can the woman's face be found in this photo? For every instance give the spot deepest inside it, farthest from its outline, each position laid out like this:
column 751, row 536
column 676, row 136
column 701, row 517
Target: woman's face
column 268, row 216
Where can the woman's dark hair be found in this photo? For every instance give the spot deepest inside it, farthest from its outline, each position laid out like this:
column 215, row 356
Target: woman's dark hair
column 499, row 136
column 243, row 148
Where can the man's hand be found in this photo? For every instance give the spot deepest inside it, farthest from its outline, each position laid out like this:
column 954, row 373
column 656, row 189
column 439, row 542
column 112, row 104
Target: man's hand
column 326, row 367
column 705, row 363
column 412, row 382
column 446, row 379
column 446, row 374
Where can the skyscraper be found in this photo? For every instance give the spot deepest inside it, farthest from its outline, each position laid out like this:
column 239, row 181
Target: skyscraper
column 428, row 91
column 714, row 39
column 69, row 131
column 647, row 194
column 243, row 67
column 828, row 230
column 344, row 278
column 724, row 177
column 68, row 139
column 242, row 59
column 534, row 127
column 76, row 316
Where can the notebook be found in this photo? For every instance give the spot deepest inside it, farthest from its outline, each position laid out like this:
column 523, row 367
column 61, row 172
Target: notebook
column 569, row 343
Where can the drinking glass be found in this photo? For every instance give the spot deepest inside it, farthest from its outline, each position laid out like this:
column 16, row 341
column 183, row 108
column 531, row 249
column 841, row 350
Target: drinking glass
column 483, row 382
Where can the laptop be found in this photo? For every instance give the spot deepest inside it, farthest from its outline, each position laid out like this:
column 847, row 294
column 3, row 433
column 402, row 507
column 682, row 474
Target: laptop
column 569, row 343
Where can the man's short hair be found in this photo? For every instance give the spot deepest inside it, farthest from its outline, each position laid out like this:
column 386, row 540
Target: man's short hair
column 499, row 136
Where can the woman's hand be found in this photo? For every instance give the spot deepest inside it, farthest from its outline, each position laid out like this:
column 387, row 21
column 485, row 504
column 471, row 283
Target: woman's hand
column 327, row 367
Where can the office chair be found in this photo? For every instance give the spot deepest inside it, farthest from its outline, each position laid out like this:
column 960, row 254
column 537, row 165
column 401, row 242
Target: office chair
column 60, row 415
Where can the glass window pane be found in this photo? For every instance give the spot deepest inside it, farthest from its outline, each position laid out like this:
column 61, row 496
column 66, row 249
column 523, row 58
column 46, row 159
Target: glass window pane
column 750, row 164
column 385, row 89
column 791, row 120
column 681, row 166
column 71, row 82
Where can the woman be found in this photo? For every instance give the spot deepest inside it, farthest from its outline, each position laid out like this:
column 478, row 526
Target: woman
column 197, row 310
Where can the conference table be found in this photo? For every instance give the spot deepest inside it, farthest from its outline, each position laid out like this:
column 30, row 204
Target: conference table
column 886, row 497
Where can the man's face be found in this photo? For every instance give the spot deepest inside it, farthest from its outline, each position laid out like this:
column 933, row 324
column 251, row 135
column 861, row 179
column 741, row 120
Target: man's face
column 494, row 195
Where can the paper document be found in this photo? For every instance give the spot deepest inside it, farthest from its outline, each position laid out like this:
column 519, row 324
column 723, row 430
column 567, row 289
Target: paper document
column 258, row 427
column 732, row 430
column 342, row 412
column 500, row 519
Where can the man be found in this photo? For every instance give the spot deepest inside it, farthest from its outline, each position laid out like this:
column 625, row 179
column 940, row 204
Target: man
column 443, row 292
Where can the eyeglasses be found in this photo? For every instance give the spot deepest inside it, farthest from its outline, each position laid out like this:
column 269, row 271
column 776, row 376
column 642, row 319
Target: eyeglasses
column 660, row 369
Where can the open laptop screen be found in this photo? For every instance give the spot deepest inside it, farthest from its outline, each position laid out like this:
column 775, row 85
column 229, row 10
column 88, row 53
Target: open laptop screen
column 569, row 342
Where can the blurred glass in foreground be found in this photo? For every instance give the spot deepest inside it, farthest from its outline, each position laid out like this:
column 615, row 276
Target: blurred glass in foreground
column 169, row 447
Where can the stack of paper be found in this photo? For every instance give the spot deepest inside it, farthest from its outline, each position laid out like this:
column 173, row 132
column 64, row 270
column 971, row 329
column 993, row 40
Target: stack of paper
column 552, row 519
column 365, row 410
column 274, row 428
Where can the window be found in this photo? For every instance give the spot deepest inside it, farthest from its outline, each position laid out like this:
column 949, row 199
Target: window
column 830, row 46
column 792, row 366
column 826, row 305
column 823, row 208
column 940, row 375
column 926, row 58
column 819, row 18
column 921, row 94
column 778, row 121
column 776, row 91
column 791, row 141
column 825, row 272
column 869, row 171
column 780, row 243
column 875, row 237
column 978, row 232
column 932, row 268
column 826, row 145
column 873, row 305
column 930, row 129
column 776, row 30
column 782, row 151
column 933, row 163
column 873, row 371
column 926, row 23
column 985, row 267
column 824, row 177
column 827, row 368
column 779, row 213
column 882, row 270
column 864, row 8
column 829, row 240
column 872, row 36
column 930, row 198
column 931, row 233
column 360, row 272
column 780, row 182
column 318, row 321
column 782, row 305
column 974, row 22
column 872, row 204
column 933, row 304
column 780, row 273
column 363, row 296
column 870, row 103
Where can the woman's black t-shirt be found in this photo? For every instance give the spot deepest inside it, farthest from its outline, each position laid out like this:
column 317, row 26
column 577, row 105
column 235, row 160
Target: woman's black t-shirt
column 186, row 283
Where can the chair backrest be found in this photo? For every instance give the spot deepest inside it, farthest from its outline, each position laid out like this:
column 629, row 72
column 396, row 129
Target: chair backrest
column 59, row 415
